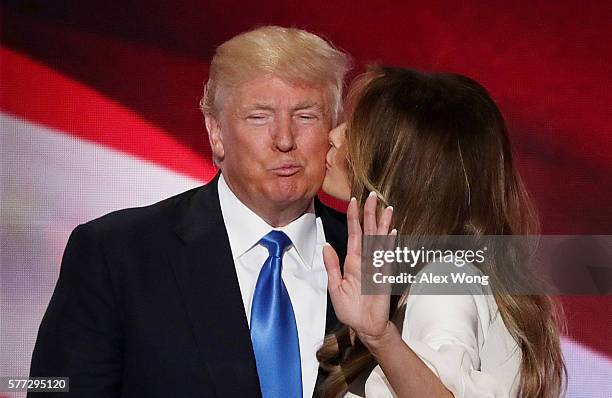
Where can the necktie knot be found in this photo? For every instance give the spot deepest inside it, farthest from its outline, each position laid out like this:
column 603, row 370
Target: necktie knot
column 276, row 242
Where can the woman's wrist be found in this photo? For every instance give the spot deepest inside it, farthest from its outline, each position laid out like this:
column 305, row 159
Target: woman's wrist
column 376, row 343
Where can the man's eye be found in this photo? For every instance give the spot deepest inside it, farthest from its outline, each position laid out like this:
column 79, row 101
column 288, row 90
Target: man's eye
column 258, row 119
column 307, row 117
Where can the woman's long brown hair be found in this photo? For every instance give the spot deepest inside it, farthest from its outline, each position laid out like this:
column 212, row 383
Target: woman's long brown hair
column 435, row 146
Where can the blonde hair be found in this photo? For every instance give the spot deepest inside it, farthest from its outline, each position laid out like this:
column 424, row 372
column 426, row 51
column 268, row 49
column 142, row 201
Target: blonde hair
column 294, row 55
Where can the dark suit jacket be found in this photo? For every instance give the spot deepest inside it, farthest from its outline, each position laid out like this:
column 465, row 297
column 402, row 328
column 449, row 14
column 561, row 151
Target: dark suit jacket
column 148, row 304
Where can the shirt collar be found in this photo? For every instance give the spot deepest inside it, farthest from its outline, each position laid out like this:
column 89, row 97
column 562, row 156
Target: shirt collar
column 245, row 228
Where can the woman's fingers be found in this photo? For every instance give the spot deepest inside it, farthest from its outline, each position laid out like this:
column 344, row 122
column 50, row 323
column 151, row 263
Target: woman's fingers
column 369, row 215
column 354, row 229
column 332, row 265
column 372, row 223
column 385, row 221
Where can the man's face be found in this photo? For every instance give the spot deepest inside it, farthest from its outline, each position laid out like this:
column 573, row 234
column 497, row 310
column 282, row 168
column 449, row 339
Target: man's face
column 272, row 142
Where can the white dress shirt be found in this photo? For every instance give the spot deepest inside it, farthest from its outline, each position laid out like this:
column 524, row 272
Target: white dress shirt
column 303, row 271
column 463, row 340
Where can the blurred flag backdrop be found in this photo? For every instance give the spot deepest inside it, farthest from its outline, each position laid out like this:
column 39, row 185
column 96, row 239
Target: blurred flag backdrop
column 99, row 111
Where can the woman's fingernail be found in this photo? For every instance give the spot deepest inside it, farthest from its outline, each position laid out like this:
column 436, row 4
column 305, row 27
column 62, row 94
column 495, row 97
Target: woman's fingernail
column 393, row 232
column 372, row 193
column 353, row 199
column 390, row 208
column 326, row 244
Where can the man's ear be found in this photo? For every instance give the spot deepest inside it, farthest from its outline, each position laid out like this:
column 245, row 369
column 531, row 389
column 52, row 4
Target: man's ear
column 214, row 137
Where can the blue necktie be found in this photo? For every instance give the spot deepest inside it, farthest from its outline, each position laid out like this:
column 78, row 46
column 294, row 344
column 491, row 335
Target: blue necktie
column 273, row 329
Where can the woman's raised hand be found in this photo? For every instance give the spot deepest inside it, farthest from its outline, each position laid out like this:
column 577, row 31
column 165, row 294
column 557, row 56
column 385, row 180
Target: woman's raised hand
column 367, row 315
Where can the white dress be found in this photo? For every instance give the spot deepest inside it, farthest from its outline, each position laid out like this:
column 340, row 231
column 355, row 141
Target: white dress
column 463, row 340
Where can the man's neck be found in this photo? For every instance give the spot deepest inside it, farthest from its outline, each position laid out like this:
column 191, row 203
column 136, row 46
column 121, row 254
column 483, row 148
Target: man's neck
column 283, row 216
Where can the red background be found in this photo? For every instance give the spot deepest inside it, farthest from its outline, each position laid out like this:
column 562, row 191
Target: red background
column 545, row 63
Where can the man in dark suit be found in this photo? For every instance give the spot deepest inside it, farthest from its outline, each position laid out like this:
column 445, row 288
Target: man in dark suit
column 219, row 291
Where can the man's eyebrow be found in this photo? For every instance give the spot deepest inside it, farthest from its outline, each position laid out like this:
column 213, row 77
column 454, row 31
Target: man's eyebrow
column 262, row 106
column 307, row 105
column 257, row 106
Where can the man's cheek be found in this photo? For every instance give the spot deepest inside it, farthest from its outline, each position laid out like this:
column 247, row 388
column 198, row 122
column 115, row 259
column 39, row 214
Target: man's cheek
column 318, row 148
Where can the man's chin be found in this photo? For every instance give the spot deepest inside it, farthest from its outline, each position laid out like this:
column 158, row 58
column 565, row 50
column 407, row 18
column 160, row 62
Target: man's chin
column 289, row 200
column 284, row 195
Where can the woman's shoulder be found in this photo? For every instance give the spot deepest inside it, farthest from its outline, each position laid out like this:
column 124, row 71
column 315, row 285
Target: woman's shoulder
column 444, row 287
column 461, row 336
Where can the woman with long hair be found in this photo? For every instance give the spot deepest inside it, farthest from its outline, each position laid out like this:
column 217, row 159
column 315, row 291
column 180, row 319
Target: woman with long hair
column 434, row 146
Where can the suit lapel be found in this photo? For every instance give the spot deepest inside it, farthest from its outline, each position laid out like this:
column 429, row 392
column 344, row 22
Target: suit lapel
column 334, row 226
column 335, row 230
column 206, row 276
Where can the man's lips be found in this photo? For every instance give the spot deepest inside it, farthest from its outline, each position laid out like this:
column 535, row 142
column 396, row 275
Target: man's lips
column 286, row 170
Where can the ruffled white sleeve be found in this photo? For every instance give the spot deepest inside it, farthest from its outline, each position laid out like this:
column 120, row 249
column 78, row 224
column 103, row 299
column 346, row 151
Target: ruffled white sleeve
column 463, row 340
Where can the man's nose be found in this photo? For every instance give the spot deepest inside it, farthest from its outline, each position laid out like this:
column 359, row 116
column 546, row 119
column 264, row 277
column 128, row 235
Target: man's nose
column 284, row 136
